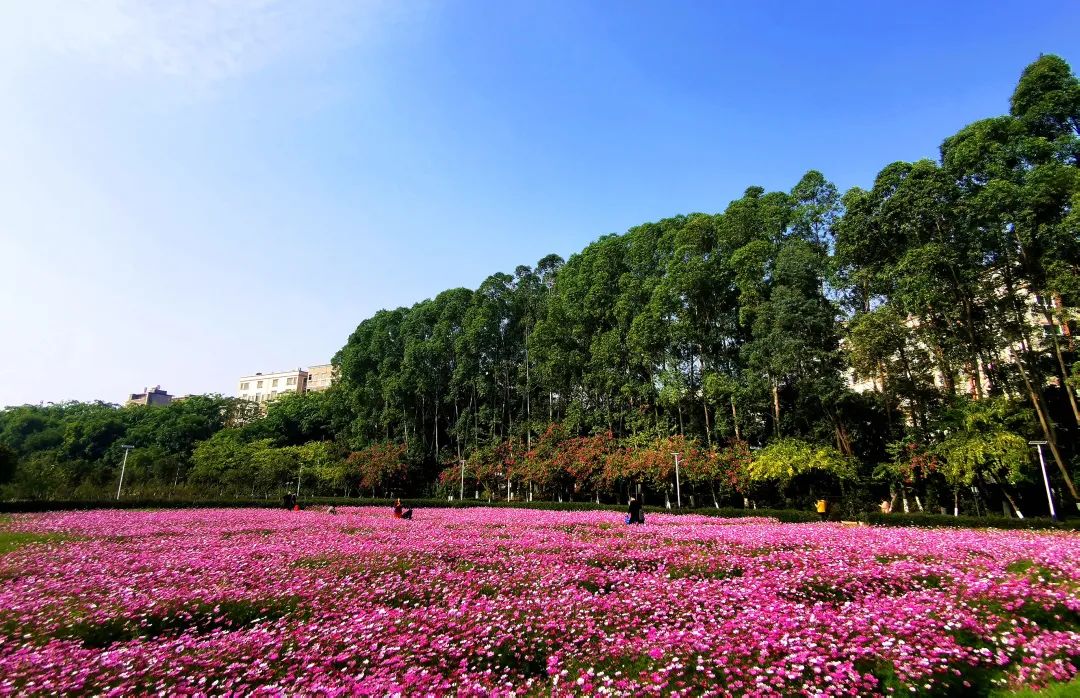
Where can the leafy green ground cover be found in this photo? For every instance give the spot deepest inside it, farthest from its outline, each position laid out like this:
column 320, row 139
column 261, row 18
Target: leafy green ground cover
column 1057, row 690
column 10, row 540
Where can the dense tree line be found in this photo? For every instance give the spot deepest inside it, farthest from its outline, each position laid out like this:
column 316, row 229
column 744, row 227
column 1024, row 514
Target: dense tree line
column 734, row 339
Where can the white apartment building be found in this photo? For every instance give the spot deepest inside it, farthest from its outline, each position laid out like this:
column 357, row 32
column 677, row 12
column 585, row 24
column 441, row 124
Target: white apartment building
column 265, row 387
column 1043, row 335
column 320, row 377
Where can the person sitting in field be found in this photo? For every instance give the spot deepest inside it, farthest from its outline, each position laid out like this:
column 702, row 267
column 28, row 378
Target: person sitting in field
column 332, row 510
column 886, row 506
column 633, row 512
column 400, row 512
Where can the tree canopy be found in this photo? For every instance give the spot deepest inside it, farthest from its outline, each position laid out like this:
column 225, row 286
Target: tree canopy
column 948, row 289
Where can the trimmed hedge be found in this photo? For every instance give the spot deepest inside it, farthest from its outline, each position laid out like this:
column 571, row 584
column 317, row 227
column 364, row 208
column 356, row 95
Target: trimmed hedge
column 26, row 506
column 783, row 515
column 31, row 506
column 946, row 521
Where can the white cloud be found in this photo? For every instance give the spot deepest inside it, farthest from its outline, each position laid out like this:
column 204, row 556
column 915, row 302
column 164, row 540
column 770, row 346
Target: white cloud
column 197, row 40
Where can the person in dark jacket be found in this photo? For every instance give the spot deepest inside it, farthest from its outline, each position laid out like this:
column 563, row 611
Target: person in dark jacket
column 633, row 512
column 401, row 512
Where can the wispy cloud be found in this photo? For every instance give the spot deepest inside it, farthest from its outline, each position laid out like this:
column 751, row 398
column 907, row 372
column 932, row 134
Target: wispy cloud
column 203, row 41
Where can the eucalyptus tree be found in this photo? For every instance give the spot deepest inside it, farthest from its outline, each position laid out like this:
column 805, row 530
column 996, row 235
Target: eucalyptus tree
column 579, row 347
column 779, row 260
column 368, row 368
column 485, row 348
column 880, row 345
column 697, row 291
column 752, row 228
column 1020, row 179
column 654, row 385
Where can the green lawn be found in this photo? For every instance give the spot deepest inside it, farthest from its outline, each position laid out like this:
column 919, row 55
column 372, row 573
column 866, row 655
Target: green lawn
column 10, row 540
column 1058, row 690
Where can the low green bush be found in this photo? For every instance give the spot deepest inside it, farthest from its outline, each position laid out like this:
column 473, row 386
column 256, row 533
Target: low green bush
column 27, row 506
column 946, row 521
column 783, row 515
column 40, row 505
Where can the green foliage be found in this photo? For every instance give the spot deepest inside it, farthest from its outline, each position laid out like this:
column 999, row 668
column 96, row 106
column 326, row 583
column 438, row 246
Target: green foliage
column 295, row 419
column 1047, row 100
column 947, row 283
column 379, row 466
column 786, row 459
column 943, row 521
column 203, row 616
column 8, row 461
column 11, row 540
column 980, row 442
column 1054, row 690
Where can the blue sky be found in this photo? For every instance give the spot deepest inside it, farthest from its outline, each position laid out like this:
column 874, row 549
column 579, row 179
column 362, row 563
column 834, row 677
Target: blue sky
column 194, row 191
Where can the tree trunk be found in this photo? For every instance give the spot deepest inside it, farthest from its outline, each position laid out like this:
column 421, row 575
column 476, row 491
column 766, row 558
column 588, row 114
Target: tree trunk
column 1047, row 426
column 843, row 442
column 476, row 419
column 708, row 429
column 704, row 401
column 735, row 418
column 457, row 424
column 1012, row 502
column 885, row 394
column 776, row 408
column 1035, row 390
column 528, row 389
column 1061, row 365
column 916, row 411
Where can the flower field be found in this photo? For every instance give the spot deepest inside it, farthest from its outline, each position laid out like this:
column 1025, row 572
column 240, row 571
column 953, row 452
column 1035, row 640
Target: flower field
column 500, row 601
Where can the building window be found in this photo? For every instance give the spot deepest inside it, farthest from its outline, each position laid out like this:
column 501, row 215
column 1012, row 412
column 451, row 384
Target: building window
column 273, row 394
column 258, row 397
column 258, row 384
column 290, row 381
column 274, row 384
column 243, row 386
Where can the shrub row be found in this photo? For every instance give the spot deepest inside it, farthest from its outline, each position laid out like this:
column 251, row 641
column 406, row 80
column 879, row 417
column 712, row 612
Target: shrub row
column 784, row 515
column 946, row 521
column 30, row 506
column 25, row 506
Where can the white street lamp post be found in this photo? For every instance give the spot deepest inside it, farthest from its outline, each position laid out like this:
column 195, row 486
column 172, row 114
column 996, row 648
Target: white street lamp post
column 123, row 467
column 298, row 476
column 1046, row 480
column 678, row 494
